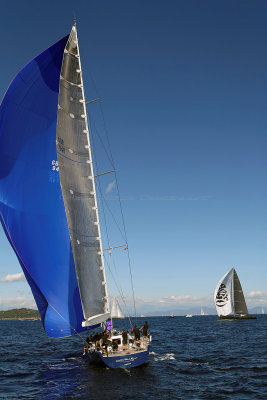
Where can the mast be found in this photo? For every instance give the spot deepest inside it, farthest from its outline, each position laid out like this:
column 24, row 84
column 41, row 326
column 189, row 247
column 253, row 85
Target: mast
column 78, row 187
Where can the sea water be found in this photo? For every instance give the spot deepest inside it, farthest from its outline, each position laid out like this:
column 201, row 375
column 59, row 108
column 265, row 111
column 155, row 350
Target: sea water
column 191, row 358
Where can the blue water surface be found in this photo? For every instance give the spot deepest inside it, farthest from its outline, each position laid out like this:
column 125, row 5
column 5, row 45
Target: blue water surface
column 191, row 358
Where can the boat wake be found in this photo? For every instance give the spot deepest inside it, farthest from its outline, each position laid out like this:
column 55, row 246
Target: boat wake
column 164, row 357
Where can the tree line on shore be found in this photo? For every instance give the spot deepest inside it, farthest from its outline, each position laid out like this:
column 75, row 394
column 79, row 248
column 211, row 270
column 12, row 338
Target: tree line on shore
column 19, row 313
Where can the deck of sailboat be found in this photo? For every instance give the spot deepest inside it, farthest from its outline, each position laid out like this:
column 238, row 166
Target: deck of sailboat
column 130, row 351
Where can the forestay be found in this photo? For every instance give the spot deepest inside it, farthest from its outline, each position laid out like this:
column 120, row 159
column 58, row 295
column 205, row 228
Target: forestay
column 78, row 187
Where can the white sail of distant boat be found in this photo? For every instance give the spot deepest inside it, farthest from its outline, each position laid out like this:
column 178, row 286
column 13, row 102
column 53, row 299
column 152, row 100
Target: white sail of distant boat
column 202, row 312
column 229, row 297
column 116, row 310
column 262, row 310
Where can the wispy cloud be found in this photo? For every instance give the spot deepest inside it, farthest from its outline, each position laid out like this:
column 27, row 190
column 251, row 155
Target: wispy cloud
column 165, row 302
column 253, row 295
column 145, row 197
column 176, row 300
column 13, row 278
column 256, row 298
column 173, row 198
column 110, row 187
column 17, row 302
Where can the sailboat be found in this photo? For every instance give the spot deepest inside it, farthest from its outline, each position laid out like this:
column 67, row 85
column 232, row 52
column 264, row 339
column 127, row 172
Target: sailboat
column 116, row 309
column 202, row 312
column 229, row 298
column 48, row 201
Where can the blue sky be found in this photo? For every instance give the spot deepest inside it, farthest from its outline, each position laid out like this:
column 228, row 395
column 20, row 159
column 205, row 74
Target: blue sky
column 183, row 86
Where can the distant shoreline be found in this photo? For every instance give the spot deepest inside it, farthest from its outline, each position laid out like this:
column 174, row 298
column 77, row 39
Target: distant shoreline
column 19, row 314
column 19, row 319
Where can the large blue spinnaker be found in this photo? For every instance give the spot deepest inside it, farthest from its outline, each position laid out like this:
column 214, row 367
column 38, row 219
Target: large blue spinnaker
column 31, row 204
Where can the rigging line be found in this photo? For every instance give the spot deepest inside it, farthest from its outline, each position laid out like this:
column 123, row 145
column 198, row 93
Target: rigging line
column 104, row 215
column 98, row 183
column 101, row 199
column 113, row 165
column 102, row 143
column 114, row 219
column 118, row 286
column 128, row 253
column 118, row 277
column 122, row 215
column 108, row 240
column 120, row 293
column 106, row 230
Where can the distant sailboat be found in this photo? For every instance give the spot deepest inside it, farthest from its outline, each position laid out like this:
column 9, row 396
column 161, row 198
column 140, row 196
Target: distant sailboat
column 262, row 310
column 202, row 312
column 229, row 298
column 172, row 315
column 116, row 310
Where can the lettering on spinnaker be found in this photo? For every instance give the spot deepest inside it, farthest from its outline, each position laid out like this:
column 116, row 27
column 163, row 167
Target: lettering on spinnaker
column 222, row 296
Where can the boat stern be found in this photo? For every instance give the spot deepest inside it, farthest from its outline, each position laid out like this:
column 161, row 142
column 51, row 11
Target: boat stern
column 125, row 360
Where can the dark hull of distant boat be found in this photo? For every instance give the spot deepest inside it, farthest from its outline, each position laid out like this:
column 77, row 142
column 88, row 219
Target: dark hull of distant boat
column 120, row 361
column 236, row 317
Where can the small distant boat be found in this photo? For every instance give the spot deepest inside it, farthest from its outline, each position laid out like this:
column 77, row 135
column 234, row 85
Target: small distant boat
column 188, row 316
column 202, row 312
column 171, row 316
column 116, row 312
column 229, row 298
column 262, row 310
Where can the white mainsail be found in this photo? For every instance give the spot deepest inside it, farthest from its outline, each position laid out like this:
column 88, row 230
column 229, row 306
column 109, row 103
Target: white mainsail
column 223, row 294
column 78, row 187
column 116, row 310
